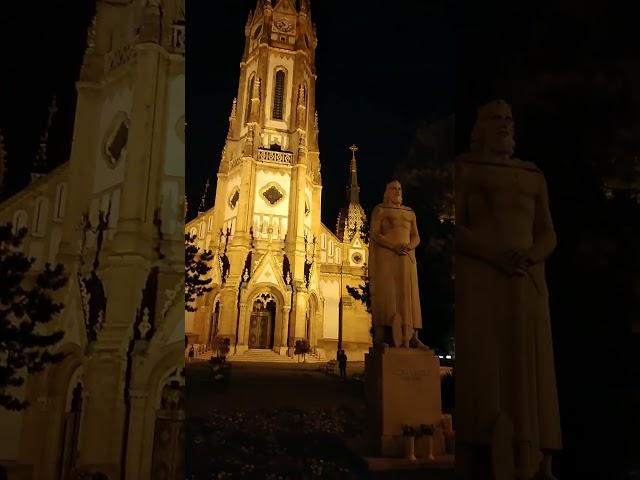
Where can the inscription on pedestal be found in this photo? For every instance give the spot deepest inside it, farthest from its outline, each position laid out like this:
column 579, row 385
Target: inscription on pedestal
column 403, row 388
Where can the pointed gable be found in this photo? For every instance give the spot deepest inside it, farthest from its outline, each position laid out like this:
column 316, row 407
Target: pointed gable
column 285, row 6
column 268, row 272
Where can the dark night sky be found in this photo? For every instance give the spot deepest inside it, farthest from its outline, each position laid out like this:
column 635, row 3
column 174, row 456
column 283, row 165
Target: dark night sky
column 41, row 55
column 380, row 70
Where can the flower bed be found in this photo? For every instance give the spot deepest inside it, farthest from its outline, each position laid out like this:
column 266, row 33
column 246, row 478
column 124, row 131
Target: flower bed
column 274, row 444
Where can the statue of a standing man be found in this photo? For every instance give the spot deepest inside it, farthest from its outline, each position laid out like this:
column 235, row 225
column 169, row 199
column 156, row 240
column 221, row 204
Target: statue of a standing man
column 506, row 395
column 393, row 276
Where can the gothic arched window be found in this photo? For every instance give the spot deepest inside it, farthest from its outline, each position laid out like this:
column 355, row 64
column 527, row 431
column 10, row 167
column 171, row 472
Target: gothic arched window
column 41, row 216
column 278, row 95
column 61, row 201
column 249, row 93
column 19, row 221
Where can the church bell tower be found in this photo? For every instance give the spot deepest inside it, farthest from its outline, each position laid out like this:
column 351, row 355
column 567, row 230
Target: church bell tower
column 268, row 191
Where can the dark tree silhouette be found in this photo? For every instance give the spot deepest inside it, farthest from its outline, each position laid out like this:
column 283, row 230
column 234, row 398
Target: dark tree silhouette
column 197, row 266
column 26, row 304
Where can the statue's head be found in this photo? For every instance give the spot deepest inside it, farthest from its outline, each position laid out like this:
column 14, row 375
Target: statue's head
column 493, row 130
column 393, row 193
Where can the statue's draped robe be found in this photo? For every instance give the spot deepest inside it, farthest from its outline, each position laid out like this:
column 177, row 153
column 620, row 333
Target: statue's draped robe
column 393, row 278
column 504, row 351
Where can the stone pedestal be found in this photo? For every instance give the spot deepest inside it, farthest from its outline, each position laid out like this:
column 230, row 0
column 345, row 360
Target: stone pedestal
column 403, row 388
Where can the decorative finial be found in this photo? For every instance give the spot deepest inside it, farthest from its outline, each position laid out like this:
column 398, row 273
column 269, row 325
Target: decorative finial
column 91, row 34
column 315, row 121
column 353, row 149
column 301, row 96
column 40, row 162
column 145, row 325
column 302, row 143
column 204, row 197
column 234, row 109
column 248, row 141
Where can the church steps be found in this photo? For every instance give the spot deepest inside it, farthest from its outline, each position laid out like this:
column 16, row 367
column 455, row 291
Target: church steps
column 262, row 356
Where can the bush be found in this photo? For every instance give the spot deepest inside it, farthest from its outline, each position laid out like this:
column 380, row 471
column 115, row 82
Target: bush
column 270, row 444
column 302, row 347
column 222, row 346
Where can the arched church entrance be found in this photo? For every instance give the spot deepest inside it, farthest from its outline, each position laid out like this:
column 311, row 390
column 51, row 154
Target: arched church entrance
column 262, row 322
column 168, row 461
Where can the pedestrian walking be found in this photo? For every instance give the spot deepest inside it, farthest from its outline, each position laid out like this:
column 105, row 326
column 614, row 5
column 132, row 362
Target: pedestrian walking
column 342, row 363
column 192, row 353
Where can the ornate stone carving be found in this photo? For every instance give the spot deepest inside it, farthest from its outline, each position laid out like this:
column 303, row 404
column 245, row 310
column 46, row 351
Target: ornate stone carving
column 272, row 193
column 178, row 38
column 91, row 35
column 117, row 58
column 272, row 156
column 145, row 325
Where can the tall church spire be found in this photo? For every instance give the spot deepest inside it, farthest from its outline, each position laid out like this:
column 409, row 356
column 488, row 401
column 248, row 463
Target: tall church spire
column 352, row 217
column 353, row 190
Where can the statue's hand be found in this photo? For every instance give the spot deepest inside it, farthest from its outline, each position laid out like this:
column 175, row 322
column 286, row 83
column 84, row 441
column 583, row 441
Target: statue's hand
column 402, row 249
column 512, row 263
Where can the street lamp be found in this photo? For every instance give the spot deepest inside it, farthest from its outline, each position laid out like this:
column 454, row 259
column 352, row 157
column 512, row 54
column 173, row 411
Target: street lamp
column 340, row 305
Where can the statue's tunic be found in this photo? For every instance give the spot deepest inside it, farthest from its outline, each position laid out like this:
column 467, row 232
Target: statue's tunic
column 393, row 278
column 504, row 351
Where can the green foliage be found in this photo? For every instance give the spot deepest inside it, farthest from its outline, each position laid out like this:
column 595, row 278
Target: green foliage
column 275, row 443
column 197, row 266
column 361, row 293
column 26, row 303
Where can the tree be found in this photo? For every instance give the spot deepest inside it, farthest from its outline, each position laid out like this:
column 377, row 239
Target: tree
column 361, row 293
column 25, row 304
column 197, row 266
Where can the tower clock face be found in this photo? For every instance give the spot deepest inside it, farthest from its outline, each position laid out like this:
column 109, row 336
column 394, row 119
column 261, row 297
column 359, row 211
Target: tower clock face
column 284, row 25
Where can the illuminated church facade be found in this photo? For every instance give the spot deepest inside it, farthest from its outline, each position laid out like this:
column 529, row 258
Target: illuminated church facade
column 113, row 216
column 279, row 275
